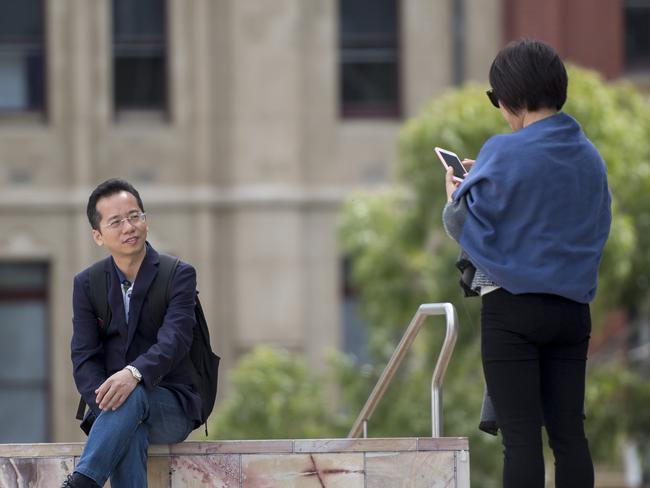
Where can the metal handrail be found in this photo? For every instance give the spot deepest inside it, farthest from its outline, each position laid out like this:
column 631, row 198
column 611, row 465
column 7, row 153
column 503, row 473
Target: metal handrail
column 426, row 309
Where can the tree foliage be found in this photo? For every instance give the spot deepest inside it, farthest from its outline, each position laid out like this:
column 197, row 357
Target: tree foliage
column 274, row 396
column 396, row 242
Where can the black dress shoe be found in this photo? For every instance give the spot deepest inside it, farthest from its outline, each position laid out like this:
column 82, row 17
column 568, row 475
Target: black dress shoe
column 78, row 480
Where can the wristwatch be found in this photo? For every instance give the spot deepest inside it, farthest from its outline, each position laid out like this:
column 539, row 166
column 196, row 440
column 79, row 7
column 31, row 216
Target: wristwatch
column 134, row 371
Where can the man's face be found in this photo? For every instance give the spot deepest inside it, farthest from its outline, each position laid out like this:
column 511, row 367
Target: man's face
column 126, row 238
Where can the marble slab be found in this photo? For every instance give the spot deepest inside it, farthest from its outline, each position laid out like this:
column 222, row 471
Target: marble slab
column 302, row 463
column 411, row 470
column 65, row 449
column 303, row 471
column 34, row 472
column 462, row 469
column 215, row 471
column 232, row 447
column 443, row 444
column 68, row 449
column 253, row 446
column 158, row 472
column 355, row 445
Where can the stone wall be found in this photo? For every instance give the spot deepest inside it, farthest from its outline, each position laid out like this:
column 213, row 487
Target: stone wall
column 327, row 463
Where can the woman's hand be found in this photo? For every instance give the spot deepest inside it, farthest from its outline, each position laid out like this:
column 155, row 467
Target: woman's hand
column 450, row 183
column 468, row 163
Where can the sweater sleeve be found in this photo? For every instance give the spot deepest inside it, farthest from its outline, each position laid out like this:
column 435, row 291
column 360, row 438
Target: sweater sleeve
column 453, row 218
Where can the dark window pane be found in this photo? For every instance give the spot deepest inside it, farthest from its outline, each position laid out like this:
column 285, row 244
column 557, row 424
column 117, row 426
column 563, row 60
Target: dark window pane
column 139, row 82
column 19, row 276
column 22, row 341
column 368, row 17
column 355, row 333
column 35, row 78
column 24, row 371
column 369, row 84
column 637, row 34
column 23, row 415
column 21, row 55
column 138, row 20
column 21, row 20
column 21, row 78
column 139, row 66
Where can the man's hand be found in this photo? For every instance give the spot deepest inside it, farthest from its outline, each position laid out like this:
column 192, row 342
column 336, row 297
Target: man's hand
column 115, row 390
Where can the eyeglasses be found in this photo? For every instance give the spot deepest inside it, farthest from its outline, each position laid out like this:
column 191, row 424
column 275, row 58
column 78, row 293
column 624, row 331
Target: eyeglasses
column 134, row 219
column 493, row 98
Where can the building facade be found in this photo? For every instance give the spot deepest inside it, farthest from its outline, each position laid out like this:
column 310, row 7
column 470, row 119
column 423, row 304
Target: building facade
column 244, row 124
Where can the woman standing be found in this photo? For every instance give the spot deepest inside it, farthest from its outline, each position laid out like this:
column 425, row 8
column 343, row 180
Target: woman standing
column 533, row 216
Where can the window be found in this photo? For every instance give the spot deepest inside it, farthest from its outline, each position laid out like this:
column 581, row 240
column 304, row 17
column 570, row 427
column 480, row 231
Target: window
column 21, row 56
column 139, row 55
column 24, row 390
column 369, row 58
column 637, row 35
column 355, row 334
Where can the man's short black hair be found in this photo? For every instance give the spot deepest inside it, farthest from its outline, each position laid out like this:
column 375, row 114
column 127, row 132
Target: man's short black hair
column 106, row 189
column 528, row 74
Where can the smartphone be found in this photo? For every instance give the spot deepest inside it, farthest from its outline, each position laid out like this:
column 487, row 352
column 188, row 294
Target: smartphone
column 449, row 158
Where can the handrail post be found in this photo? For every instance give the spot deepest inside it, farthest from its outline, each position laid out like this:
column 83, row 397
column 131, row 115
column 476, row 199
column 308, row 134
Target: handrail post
column 446, row 351
column 444, row 357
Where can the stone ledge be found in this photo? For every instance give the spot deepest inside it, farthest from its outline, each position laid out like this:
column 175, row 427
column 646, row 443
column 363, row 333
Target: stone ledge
column 303, row 463
column 273, row 446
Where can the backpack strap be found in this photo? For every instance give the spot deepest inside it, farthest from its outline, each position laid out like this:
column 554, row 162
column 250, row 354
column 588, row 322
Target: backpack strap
column 99, row 284
column 160, row 287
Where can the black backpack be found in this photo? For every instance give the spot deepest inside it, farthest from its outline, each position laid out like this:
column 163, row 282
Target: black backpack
column 206, row 362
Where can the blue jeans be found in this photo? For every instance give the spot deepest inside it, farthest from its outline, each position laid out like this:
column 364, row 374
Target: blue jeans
column 118, row 441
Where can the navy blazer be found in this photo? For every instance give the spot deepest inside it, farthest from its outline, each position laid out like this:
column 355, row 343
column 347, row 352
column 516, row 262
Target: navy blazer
column 159, row 353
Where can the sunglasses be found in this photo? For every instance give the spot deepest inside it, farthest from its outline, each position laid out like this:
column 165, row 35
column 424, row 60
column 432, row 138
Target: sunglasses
column 493, row 98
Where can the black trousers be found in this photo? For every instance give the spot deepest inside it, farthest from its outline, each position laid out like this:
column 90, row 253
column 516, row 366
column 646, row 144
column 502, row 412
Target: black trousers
column 534, row 351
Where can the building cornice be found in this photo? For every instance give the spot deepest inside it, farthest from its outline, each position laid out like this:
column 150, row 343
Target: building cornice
column 185, row 197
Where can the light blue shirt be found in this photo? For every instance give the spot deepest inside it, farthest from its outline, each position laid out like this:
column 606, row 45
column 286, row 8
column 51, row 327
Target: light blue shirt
column 127, row 289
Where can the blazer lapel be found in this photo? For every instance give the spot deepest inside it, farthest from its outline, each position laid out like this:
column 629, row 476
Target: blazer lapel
column 146, row 274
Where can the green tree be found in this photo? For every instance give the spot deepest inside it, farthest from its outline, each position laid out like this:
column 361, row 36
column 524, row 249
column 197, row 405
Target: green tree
column 401, row 256
column 274, row 396
column 622, row 397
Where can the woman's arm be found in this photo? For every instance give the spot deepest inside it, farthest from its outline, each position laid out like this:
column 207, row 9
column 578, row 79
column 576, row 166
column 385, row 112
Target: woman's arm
column 453, row 218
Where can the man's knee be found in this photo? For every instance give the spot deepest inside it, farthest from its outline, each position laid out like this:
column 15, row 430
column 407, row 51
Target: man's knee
column 139, row 394
column 136, row 403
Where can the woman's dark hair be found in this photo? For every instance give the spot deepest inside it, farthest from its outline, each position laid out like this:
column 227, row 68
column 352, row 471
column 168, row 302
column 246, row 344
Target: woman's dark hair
column 106, row 189
column 528, row 74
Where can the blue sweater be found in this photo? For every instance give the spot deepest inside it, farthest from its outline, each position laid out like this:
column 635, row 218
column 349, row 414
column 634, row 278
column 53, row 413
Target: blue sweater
column 534, row 213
